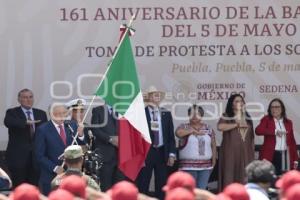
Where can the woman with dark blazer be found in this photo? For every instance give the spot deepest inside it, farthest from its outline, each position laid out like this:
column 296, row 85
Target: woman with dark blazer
column 279, row 138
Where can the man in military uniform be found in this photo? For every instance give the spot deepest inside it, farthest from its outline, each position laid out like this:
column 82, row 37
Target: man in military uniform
column 77, row 109
column 73, row 158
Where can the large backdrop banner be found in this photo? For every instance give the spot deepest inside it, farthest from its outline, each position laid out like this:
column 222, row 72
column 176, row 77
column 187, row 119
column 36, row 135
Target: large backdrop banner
column 196, row 51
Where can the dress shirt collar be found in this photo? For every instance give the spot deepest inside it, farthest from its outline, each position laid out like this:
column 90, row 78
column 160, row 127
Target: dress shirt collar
column 278, row 120
column 56, row 125
column 26, row 110
column 110, row 109
column 256, row 187
column 151, row 108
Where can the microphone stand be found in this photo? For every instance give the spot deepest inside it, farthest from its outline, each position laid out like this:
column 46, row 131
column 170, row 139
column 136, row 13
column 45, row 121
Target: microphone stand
column 74, row 138
column 91, row 137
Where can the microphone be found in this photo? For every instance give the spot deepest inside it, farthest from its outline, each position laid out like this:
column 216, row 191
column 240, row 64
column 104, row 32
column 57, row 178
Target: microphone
column 69, row 126
column 91, row 137
column 68, row 122
column 90, row 133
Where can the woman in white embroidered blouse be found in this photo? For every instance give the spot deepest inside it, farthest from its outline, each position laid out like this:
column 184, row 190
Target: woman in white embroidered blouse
column 197, row 152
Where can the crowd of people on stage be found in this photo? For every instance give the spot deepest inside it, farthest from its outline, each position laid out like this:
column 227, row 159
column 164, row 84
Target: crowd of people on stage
column 46, row 158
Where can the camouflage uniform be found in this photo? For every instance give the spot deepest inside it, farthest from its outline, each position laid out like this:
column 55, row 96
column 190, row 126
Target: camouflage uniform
column 74, row 152
column 89, row 180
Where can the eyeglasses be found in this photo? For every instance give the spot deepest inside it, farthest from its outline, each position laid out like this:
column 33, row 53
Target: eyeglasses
column 275, row 107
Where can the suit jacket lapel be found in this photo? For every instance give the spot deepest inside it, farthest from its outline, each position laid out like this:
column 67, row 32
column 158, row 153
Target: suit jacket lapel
column 147, row 111
column 21, row 113
column 148, row 116
column 286, row 125
column 69, row 135
column 36, row 115
column 288, row 129
column 23, row 116
column 111, row 117
column 112, row 122
column 163, row 119
column 273, row 126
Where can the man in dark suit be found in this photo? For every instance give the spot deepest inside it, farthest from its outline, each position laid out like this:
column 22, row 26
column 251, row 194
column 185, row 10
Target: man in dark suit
column 105, row 127
column 52, row 138
column 22, row 122
column 162, row 152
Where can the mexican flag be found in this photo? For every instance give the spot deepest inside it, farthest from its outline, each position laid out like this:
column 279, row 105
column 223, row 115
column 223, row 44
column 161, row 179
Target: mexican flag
column 121, row 90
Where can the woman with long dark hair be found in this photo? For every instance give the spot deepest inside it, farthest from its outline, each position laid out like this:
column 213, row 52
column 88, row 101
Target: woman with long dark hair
column 237, row 147
column 279, row 145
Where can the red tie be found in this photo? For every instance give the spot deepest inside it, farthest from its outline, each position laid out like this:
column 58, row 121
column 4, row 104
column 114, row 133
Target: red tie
column 62, row 134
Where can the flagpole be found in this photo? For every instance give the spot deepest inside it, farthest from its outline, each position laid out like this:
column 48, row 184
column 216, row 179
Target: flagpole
column 115, row 53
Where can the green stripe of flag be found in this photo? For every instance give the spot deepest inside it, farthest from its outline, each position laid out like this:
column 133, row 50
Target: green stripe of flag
column 120, row 86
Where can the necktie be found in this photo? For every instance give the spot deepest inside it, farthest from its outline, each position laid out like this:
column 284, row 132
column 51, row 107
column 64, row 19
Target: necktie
column 31, row 126
column 155, row 132
column 62, row 134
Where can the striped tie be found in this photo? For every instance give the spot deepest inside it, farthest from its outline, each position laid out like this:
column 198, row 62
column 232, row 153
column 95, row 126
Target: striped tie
column 31, row 126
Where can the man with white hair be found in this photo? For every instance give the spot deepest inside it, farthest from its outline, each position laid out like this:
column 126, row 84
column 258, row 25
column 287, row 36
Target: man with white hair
column 51, row 140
